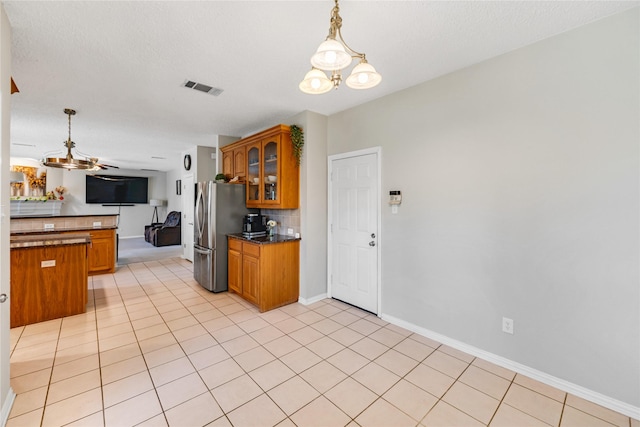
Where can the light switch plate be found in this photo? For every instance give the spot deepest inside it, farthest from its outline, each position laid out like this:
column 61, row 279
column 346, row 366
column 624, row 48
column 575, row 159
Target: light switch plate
column 49, row 226
column 48, row 263
column 97, row 224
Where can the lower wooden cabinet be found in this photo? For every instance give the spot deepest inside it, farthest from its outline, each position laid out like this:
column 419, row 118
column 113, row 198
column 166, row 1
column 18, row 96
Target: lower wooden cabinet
column 48, row 283
column 102, row 251
column 265, row 274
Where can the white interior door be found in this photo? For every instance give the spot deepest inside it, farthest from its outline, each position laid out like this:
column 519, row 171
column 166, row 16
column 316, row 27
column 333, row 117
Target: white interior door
column 354, row 223
column 188, row 198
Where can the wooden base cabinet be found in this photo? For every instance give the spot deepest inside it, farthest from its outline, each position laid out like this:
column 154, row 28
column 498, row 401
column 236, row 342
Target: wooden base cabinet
column 265, row 274
column 48, row 283
column 102, row 251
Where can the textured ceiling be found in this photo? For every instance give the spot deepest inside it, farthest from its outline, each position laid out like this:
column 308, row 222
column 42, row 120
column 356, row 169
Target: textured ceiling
column 121, row 64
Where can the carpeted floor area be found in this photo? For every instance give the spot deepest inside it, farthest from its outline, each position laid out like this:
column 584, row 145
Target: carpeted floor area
column 135, row 249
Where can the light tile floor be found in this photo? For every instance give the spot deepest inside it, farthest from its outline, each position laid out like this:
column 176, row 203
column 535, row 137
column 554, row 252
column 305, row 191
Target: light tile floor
column 156, row 349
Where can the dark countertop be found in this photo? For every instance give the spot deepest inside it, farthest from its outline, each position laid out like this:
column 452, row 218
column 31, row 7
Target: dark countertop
column 58, row 216
column 61, row 229
column 277, row 238
column 59, row 239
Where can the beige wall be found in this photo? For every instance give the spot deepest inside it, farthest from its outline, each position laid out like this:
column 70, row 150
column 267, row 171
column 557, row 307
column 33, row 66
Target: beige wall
column 520, row 185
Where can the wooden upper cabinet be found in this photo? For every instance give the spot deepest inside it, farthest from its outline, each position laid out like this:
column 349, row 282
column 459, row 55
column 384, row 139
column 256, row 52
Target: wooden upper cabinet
column 267, row 162
column 239, row 162
column 227, row 163
column 233, row 162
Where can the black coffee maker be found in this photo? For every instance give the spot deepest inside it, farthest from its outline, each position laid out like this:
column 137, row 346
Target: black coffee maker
column 254, row 225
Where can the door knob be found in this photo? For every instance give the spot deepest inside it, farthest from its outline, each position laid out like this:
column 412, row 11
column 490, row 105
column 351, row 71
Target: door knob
column 372, row 243
column 3, row 298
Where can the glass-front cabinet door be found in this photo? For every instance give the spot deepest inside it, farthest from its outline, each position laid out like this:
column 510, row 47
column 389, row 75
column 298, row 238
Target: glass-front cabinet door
column 270, row 170
column 253, row 173
column 272, row 174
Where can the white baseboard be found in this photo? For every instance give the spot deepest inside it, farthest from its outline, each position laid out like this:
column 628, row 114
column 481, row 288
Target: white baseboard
column 309, row 301
column 6, row 407
column 576, row 390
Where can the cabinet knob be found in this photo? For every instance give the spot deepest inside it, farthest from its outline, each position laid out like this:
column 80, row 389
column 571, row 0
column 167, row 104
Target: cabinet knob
column 372, row 243
column 373, row 235
column 3, row 298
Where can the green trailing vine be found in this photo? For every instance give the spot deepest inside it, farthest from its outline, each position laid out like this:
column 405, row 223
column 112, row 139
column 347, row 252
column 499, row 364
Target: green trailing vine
column 297, row 140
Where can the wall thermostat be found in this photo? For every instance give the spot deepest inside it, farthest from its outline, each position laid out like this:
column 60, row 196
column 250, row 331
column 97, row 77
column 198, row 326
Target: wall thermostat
column 395, row 197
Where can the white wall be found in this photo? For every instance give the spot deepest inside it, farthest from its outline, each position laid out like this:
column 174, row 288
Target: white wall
column 6, row 394
column 132, row 218
column 520, row 184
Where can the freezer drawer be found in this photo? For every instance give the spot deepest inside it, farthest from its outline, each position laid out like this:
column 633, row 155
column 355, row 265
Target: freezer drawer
column 203, row 267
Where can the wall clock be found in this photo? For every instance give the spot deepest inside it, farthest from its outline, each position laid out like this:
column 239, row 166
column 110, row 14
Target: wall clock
column 187, row 161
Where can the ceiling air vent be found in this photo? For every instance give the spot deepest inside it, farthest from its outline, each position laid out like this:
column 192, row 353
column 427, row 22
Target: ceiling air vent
column 203, row 88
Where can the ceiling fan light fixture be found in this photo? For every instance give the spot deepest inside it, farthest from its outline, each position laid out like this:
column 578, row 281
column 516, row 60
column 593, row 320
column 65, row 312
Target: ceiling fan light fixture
column 69, row 162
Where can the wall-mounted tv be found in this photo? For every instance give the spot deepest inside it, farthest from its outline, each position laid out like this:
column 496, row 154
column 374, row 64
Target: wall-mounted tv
column 114, row 189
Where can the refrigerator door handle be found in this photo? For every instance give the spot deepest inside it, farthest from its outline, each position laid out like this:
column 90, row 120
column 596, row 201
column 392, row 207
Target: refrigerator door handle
column 202, row 251
column 199, row 221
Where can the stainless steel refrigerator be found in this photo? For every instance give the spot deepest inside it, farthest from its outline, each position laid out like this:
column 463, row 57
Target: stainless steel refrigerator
column 219, row 211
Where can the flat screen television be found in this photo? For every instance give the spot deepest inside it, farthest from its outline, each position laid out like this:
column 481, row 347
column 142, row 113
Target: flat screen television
column 114, row 189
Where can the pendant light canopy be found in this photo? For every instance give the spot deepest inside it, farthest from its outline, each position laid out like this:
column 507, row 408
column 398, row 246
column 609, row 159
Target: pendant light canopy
column 69, row 162
column 334, row 55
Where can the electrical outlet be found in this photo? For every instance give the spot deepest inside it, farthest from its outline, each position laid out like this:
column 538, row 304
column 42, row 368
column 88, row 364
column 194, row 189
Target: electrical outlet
column 97, row 223
column 49, row 226
column 507, row 325
column 290, row 231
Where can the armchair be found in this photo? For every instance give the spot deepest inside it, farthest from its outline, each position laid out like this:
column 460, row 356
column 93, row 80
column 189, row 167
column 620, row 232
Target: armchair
column 164, row 234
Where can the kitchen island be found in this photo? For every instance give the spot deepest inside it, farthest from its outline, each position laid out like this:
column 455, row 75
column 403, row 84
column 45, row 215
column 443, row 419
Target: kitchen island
column 102, row 253
column 49, row 276
column 264, row 270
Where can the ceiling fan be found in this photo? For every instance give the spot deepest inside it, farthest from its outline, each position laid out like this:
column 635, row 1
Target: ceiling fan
column 103, row 166
column 69, row 162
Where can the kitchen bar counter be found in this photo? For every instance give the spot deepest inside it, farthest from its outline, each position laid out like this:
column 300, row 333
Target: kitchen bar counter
column 59, row 216
column 102, row 229
column 59, row 230
column 49, row 239
column 277, row 238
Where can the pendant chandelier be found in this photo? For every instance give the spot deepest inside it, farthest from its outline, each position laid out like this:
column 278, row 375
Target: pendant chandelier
column 68, row 162
column 334, row 55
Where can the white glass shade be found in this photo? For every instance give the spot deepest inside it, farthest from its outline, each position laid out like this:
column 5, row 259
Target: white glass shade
column 363, row 76
column 331, row 55
column 315, row 82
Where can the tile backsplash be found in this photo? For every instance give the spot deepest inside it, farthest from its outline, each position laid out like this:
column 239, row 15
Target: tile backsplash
column 286, row 218
column 62, row 223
